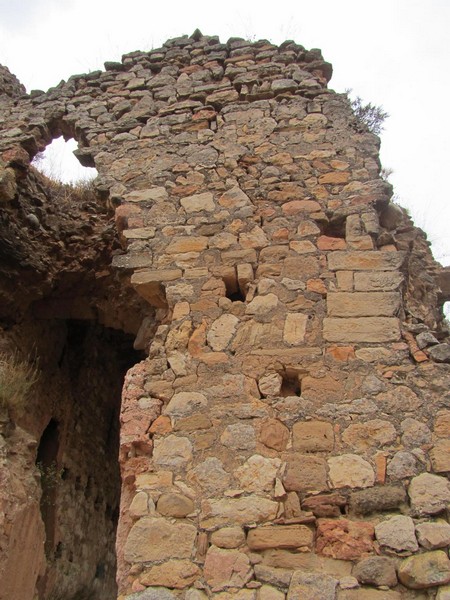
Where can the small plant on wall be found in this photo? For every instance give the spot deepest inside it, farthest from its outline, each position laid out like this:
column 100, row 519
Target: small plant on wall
column 17, row 377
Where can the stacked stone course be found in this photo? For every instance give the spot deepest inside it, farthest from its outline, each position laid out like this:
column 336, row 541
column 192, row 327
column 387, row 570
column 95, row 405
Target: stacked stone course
column 288, row 435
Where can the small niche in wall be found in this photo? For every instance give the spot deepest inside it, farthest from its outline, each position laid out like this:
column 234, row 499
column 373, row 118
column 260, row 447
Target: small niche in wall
column 290, row 385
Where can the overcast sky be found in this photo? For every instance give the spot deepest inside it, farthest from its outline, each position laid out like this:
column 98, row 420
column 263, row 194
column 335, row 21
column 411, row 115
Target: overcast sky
column 394, row 53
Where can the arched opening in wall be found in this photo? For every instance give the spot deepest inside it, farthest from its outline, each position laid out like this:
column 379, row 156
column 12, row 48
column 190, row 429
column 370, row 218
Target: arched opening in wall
column 78, row 458
column 59, row 163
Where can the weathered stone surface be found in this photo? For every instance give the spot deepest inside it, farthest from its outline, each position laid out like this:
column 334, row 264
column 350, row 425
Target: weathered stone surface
column 433, row 535
column 443, row 593
column 425, row 570
column 268, row 592
column 183, row 404
column 440, row 353
column 402, row 465
column 226, row 568
column 377, row 499
column 281, row 578
column 376, row 570
column 174, row 505
column 440, row 456
column 344, row 539
column 350, row 470
column 155, row 593
column 397, row 533
column 429, row 494
column 325, row 505
column 242, row 511
column 258, row 473
column 228, row 537
column 239, row 437
column 362, row 329
column 309, row 586
column 362, row 304
column 295, row 328
column 376, row 281
column 211, row 476
column 313, row 436
column 370, row 594
column 177, row 574
column 375, row 432
column 262, row 305
column 154, row 539
column 274, row 434
column 305, row 473
column 222, row 331
column 365, row 261
column 415, row 433
column 172, row 452
column 198, row 203
column 279, row 536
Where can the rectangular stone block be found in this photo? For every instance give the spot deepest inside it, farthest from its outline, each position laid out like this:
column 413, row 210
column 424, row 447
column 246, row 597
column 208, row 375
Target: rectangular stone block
column 279, row 536
column 377, row 281
column 180, row 245
column 365, row 261
column 133, row 261
column 363, row 304
column 362, row 329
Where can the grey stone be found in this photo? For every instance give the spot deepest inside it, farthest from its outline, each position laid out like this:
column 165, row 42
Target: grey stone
column 415, row 433
column 310, row 586
column 397, row 533
column 155, row 593
column 426, row 338
column 376, row 570
column 433, row 535
column 402, row 465
column 377, row 499
column 429, row 494
column 440, row 353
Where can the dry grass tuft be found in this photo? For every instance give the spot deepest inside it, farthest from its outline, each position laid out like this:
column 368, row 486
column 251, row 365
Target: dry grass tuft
column 17, row 377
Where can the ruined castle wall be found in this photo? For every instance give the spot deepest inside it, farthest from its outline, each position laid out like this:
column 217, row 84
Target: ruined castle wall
column 287, row 435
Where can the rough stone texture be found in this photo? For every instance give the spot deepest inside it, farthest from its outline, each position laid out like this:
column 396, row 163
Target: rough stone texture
column 425, row 570
column 429, row 494
column 290, row 536
column 433, row 535
column 226, row 568
column 155, row 539
column 397, row 533
column 344, row 539
column 289, row 320
column 310, row 586
column 376, row 570
column 350, row 470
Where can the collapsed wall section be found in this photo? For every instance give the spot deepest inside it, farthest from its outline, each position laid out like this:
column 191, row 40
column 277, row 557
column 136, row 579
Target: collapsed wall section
column 288, row 434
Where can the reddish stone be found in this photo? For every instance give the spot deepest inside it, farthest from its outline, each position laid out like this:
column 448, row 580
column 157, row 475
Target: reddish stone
column 325, row 505
column 341, row 353
column 344, row 539
column 297, row 206
column 161, row 425
column 317, row 286
column 331, row 243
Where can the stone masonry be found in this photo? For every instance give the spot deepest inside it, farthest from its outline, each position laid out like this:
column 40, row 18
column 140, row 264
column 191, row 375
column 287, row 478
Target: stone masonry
column 287, row 436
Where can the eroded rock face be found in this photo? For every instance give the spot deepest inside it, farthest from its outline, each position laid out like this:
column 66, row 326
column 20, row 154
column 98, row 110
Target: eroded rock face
column 294, row 390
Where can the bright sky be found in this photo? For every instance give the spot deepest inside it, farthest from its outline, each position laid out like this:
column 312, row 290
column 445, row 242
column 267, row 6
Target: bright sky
column 394, row 53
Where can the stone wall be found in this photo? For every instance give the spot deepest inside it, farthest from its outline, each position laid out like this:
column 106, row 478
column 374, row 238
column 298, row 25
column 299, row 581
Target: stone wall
column 287, row 436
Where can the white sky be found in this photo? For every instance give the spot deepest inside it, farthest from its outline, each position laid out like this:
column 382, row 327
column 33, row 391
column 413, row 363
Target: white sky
column 394, row 53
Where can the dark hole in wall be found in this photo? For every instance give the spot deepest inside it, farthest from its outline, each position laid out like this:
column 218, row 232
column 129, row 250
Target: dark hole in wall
column 232, row 290
column 290, row 385
column 47, row 463
column 81, row 446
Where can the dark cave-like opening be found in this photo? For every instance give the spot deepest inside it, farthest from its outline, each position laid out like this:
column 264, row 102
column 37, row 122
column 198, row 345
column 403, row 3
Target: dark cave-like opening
column 77, row 458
